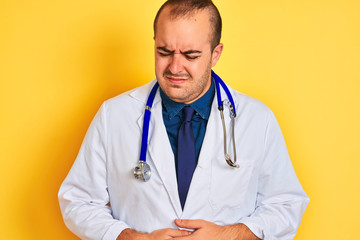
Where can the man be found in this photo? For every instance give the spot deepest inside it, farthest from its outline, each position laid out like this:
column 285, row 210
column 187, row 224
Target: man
column 262, row 199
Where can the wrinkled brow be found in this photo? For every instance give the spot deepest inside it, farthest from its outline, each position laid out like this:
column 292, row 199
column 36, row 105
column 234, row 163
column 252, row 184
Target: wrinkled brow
column 186, row 52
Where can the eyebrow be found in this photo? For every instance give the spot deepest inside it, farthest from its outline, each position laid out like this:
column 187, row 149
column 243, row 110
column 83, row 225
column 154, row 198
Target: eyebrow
column 191, row 52
column 164, row 49
column 186, row 52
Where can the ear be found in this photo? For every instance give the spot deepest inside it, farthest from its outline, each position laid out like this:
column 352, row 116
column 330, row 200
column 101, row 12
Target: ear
column 216, row 54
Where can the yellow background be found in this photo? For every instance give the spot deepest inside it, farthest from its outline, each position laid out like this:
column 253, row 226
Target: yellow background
column 60, row 59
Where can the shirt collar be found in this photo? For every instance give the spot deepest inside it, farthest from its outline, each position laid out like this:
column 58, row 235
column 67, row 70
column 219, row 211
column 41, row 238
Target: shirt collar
column 202, row 106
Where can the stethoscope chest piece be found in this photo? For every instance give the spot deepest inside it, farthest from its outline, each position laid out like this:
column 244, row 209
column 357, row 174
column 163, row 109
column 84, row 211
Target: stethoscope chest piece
column 142, row 171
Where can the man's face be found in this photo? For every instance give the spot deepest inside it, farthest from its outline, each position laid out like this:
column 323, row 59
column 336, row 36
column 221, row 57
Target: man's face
column 183, row 57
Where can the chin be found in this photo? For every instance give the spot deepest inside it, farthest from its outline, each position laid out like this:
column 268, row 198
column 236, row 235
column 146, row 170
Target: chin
column 174, row 95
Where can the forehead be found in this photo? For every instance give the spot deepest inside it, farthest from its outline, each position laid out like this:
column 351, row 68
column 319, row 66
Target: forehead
column 192, row 31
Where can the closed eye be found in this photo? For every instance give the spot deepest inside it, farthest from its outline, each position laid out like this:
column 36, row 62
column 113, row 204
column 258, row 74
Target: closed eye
column 164, row 54
column 191, row 57
column 190, row 54
column 163, row 51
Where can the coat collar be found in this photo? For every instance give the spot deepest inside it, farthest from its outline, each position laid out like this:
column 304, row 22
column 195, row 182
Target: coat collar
column 142, row 93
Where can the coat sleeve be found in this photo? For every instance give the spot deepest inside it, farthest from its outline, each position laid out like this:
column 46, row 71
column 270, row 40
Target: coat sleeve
column 281, row 201
column 83, row 196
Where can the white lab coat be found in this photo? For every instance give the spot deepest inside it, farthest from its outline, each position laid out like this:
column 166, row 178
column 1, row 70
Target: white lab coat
column 264, row 193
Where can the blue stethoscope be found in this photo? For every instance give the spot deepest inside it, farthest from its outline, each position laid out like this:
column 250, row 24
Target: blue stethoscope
column 143, row 171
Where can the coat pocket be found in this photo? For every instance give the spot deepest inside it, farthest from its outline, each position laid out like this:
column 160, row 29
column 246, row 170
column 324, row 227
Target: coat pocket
column 229, row 186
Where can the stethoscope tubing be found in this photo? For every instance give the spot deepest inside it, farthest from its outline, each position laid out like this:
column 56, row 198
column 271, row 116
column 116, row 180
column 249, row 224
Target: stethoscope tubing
column 218, row 82
column 146, row 122
column 149, row 103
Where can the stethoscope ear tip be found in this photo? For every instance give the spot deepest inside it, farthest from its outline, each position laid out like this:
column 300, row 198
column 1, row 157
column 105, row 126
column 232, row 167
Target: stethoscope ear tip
column 230, row 162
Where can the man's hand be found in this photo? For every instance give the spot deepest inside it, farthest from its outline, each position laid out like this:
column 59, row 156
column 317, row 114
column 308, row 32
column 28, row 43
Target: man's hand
column 161, row 234
column 207, row 230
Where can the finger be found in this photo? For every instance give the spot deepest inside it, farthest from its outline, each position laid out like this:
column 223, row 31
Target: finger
column 177, row 232
column 191, row 224
column 191, row 236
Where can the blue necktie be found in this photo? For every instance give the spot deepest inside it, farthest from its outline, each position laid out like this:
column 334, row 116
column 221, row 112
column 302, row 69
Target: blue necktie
column 186, row 154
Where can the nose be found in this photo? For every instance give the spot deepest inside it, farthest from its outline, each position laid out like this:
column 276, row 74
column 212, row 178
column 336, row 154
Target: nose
column 176, row 65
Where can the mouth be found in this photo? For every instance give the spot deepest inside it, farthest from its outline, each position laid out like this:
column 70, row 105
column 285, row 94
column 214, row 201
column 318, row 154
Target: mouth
column 175, row 80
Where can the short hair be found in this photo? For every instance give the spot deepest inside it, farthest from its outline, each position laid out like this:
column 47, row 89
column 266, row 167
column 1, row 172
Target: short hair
column 182, row 8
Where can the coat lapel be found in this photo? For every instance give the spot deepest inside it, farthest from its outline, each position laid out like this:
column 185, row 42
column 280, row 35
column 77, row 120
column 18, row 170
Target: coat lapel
column 160, row 152
column 212, row 149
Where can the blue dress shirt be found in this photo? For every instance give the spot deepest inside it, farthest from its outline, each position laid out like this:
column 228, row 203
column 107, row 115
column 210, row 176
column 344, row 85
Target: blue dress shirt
column 173, row 117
